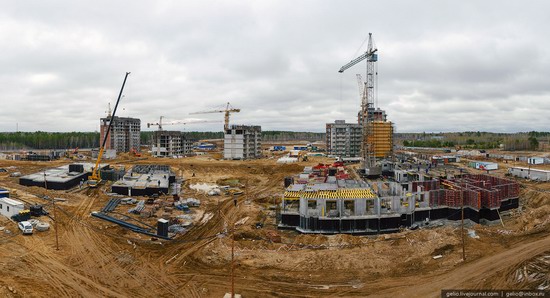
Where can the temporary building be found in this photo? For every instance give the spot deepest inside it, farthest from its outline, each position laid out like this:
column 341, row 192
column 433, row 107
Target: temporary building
column 10, row 207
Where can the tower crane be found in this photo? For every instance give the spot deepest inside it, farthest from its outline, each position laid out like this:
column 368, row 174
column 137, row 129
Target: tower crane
column 160, row 124
column 367, row 103
column 228, row 110
column 367, row 92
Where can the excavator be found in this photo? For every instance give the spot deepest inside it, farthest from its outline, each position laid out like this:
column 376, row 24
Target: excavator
column 95, row 178
column 135, row 153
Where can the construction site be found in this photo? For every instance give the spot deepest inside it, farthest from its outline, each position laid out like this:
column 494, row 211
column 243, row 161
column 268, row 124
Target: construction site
column 355, row 216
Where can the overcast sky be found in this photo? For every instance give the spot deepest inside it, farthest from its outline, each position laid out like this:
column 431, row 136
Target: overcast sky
column 443, row 65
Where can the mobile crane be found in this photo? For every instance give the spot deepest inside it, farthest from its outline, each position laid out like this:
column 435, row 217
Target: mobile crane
column 95, row 178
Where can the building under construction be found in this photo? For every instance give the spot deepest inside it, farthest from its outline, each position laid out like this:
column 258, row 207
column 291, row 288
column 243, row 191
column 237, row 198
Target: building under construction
column 124, row 135
column 377, row 131
column 242, row 142
column 324, row 200
column 63, row 177
column 145, row 180
column 171, row 144
column 380, row 138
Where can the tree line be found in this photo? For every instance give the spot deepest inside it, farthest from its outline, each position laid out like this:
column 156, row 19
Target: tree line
column 475, row 140
column 48, row 140
column 70, row 140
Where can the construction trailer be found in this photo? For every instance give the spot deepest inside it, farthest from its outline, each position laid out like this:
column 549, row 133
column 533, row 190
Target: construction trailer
column 530, row 173
column 328, row 203
column 242, row 142
column 10, row 207
column 444, row 159
column 535, row 160
column 485, row 166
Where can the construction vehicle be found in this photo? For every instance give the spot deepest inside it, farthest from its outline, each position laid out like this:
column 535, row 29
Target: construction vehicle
column 95, row 179
column 135, row 153
column 228, row 110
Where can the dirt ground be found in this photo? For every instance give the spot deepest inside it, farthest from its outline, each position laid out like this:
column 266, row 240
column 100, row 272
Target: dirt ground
column 98, row 259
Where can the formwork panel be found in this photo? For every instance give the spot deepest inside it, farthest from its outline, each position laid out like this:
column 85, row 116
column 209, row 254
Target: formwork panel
column 290, row 219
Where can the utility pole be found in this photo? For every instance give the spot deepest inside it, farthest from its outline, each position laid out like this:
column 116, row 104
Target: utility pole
column 55, row 223
column 54, row 214
column 462, row 210
column 233, row 261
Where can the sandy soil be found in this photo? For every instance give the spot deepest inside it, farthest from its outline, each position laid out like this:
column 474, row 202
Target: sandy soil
column 96, row 258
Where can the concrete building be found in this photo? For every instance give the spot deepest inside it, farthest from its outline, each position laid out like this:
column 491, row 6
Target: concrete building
column 145, row 180
column 124, row 135
column 324, row 200
column 344, row 139
column 63, row 177
column 170, row 144
column 242, row 142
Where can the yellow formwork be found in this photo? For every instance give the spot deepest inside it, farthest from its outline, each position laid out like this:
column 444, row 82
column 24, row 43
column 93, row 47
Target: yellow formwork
column 381, row 138
column 345, row 193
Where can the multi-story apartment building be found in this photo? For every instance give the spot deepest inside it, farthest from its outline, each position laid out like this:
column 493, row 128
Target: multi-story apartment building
column 242, row 142
column 344, row 139
column 170, row 144
column 124, row 135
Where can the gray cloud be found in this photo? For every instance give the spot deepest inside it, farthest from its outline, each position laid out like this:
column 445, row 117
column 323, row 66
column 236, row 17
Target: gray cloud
column 443, row 66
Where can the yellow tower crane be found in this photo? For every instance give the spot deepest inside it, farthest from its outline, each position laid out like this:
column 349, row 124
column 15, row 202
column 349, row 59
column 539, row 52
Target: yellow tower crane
column 228, row 110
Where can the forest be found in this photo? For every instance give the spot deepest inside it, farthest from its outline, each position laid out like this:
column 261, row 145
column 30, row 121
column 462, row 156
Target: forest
column 475, row 140
column 71, row 140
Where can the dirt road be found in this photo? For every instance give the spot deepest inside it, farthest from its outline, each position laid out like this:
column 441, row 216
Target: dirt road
column 100, row 259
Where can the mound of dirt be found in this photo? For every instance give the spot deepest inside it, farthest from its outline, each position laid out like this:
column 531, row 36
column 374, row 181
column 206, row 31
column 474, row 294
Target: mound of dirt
column 534, row 198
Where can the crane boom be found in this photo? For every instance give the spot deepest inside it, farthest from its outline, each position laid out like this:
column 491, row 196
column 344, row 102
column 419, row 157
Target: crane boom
column 160, row 124
column 370, row 54
column 353, row 62
column 94, row 179
column 228, row 110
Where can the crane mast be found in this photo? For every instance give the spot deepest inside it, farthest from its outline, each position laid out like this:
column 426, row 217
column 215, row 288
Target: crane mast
column 368, row 95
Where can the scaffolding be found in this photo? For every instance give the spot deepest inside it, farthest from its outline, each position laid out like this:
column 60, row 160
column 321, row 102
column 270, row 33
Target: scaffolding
column 381, row 138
